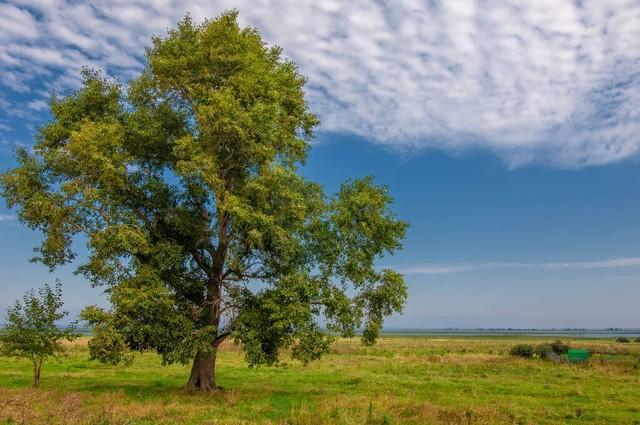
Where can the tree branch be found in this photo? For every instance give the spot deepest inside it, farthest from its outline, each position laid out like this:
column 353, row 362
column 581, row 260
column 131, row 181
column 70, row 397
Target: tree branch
column 221, row 338
column 201, row 261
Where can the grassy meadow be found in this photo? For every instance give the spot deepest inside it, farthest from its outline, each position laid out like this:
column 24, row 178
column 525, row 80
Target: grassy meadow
column 400, row 380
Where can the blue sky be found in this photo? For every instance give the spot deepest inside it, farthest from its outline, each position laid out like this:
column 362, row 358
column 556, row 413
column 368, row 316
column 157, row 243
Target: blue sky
column 507, row 133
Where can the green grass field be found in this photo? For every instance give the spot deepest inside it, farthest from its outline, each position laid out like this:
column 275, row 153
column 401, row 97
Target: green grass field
column 401, row 380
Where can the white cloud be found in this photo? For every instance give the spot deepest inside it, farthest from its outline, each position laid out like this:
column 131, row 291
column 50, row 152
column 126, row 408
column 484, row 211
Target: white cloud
column 426, row 269
column 552, row 81
column 433, row 268
column 6, row 217
column 17, row 23
column 38, row 105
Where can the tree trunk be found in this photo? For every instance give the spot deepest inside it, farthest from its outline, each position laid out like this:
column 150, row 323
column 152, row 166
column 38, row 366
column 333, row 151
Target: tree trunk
column 203, row 372
column 37, row 366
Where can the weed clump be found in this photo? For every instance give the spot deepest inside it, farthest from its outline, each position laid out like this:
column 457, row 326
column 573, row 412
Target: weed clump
column 542, row 350
column 522, row 350
column 559, row 347
column 622, row 339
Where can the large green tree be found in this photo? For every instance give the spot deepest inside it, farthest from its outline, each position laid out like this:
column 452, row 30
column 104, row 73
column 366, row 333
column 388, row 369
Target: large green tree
column 185, row 185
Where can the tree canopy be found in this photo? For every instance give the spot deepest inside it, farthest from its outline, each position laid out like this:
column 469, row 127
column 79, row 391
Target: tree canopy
column 185, row 183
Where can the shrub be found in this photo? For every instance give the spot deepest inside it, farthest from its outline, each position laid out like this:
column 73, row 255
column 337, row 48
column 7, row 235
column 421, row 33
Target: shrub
column 637, row 339
column 542, row 350
column 559, row 347
column 522, row 350
column 623, row 339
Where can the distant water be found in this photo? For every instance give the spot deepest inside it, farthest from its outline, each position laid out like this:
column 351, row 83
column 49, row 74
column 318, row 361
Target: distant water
column 585, row 333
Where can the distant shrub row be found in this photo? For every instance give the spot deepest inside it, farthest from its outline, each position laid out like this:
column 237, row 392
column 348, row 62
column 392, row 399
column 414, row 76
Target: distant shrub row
column 625, row 340
column 542, row 350
column 557, row 347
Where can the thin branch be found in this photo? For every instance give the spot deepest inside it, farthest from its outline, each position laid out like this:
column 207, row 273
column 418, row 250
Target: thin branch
column 201, row 261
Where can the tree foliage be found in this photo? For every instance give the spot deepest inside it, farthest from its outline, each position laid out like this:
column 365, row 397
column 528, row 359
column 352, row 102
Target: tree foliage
column 31, row 329
column 185, row 183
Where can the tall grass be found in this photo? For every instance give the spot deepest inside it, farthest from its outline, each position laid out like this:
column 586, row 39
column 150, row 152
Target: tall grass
column 401, row 380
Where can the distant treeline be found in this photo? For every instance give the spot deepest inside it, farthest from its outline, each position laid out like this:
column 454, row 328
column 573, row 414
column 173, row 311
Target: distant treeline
column 585, row 332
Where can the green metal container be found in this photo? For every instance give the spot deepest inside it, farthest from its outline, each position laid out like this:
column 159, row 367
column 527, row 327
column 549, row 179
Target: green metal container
column 577, row 355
